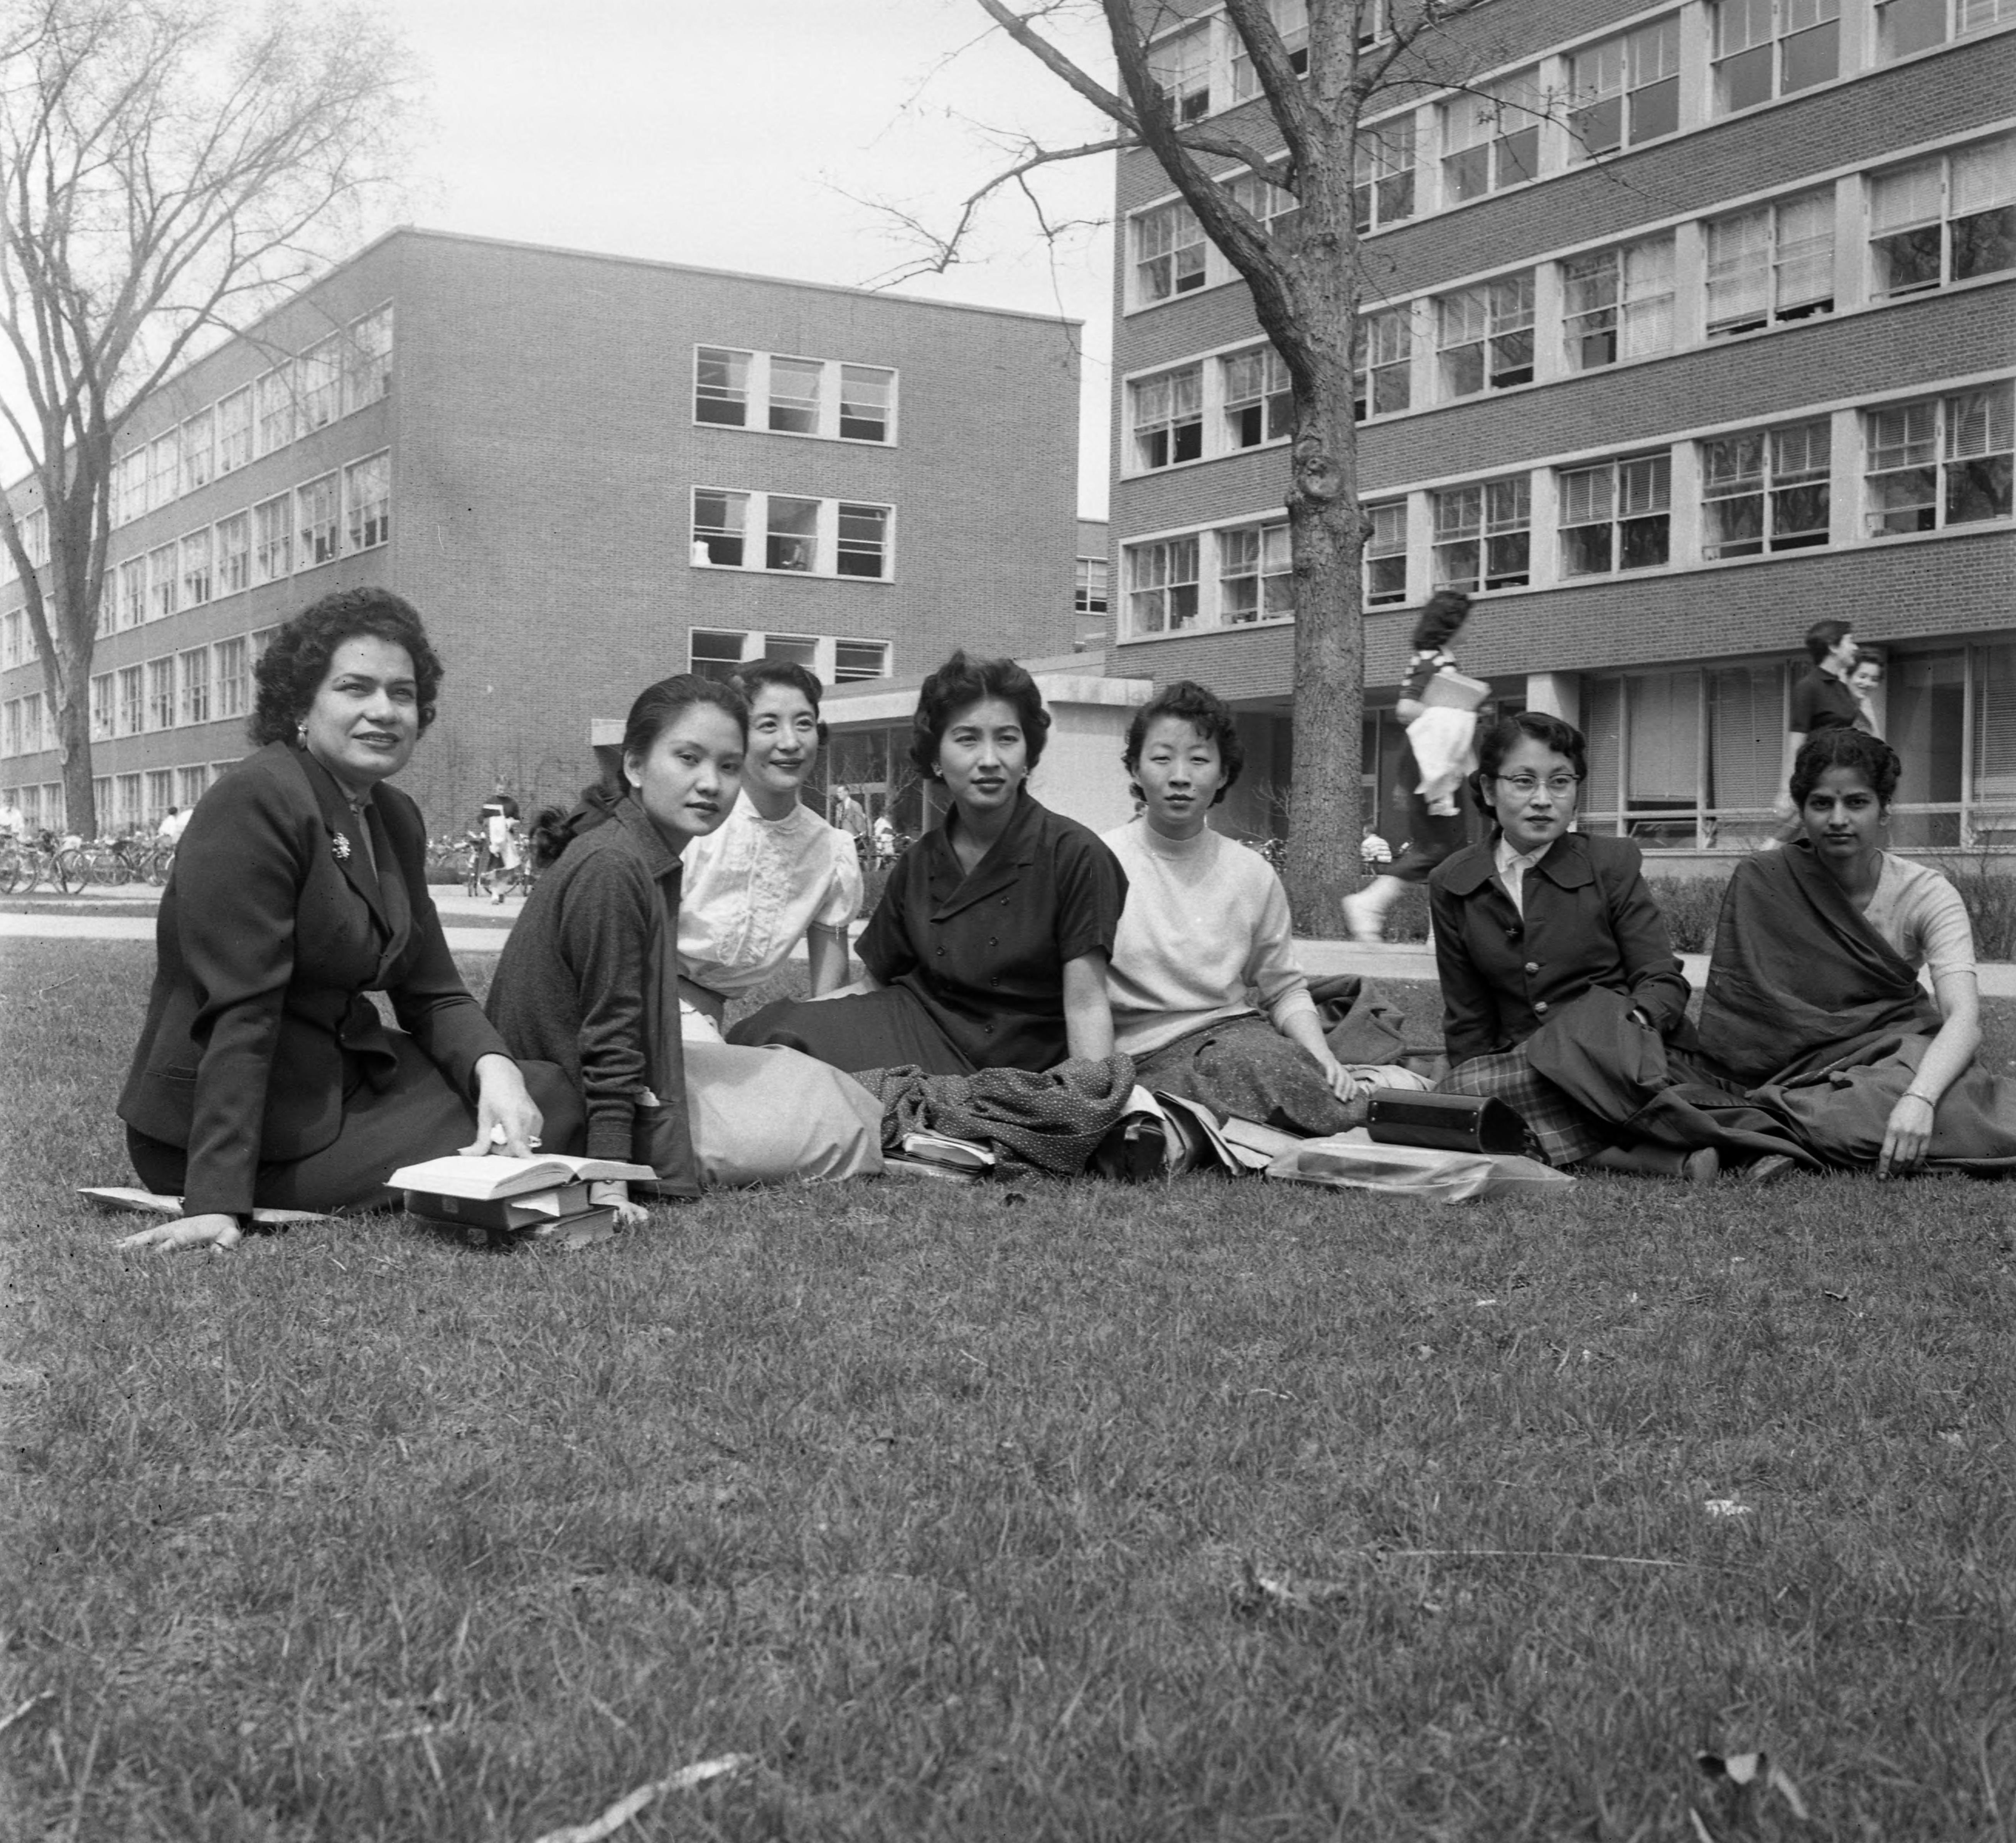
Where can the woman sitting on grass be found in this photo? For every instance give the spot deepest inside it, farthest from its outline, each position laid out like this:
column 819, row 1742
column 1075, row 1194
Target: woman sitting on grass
column 1533, row 924
column 773, row 873
column 263, row 1078
column 989, row 947
column 589, row 978
column 1206, row 920
column 1813, row 1000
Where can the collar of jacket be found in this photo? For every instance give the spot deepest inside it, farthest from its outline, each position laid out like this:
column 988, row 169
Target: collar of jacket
column 645, row 837
column 1016, row 848
column 1566, row 865
column 340, row 819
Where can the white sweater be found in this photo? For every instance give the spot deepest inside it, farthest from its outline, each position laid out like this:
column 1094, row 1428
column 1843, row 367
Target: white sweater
column 1206, row 920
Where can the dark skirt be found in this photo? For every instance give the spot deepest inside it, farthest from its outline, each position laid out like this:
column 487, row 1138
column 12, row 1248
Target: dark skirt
column 1245, row 1068
column 888, row 1029
column 419, row 1116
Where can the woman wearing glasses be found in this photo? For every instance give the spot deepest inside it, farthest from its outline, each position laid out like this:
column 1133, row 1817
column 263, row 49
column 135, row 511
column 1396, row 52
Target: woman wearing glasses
column 1533, row 923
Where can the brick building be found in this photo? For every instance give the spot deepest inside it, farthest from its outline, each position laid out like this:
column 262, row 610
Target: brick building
column 1685, row 326
column 587, row 472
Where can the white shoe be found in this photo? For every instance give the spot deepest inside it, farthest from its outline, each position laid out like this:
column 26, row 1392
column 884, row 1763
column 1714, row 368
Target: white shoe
column 1363, row 921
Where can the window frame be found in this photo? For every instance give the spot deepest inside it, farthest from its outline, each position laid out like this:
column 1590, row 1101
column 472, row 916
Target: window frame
column 1505, row 309
column 1617, row 517
column 1588, row 99
column 1501, row 529
column 318, row 542
column 1271, row 572
column 1777, row 255
column 1810, row 20
column 1774, row 485
column 367, row 526
column 1946, row 224
column 1174, row 425
column 1940, row 461
column 1168, row 589
column 1625, row 308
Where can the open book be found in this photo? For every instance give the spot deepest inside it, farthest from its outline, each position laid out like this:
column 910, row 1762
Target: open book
column 484, row 1179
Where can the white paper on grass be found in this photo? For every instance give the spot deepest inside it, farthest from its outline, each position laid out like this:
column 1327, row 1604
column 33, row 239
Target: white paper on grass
column 152, row 1203
column 1354, row 1160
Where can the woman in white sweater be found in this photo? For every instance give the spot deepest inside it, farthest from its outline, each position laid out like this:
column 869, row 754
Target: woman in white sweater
column 1206, row 924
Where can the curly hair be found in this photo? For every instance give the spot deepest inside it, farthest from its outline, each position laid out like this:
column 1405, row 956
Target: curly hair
column 291, row 671
column 1199, row 707
column 657, row 708
column 789, row 673
column 959, row 684
column 1505, row 735
column 1869, row 756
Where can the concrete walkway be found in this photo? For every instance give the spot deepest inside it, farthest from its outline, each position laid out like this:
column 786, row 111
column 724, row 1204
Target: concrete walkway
column 128, row 917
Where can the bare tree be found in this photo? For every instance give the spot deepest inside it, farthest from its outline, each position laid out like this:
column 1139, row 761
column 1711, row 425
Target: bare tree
column 168, row 169
column 1273, row 187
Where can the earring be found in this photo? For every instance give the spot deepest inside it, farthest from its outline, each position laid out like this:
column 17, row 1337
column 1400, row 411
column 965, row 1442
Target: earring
column 301, row 734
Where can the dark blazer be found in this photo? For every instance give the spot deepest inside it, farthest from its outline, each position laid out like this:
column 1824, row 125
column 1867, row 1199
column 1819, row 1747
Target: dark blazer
column 270, row 932
column 1589, row 921
column 575, row 983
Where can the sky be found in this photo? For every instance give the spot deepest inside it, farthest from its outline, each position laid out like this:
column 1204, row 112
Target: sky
column 762, row 135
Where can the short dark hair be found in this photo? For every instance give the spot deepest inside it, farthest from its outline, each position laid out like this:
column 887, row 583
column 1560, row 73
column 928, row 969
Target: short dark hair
column 753, row 676
column 1507, row 734
column 959, row 684
column 1823, row 636
column 656, row 709
column 1869, row 756
column 1442, row 616
column 1195, row 705
column 291, row 671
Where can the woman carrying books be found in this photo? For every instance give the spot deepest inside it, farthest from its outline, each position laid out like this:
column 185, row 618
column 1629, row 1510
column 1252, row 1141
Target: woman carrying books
column 1438, row 756
column 989, row 947
column 588, row 979
column 264, row 1077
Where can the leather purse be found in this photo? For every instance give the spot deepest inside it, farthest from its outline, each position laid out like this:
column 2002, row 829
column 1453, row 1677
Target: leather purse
column 1449, row 1122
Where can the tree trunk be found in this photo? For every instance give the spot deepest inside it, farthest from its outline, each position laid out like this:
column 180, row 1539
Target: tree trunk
column 1326, row 538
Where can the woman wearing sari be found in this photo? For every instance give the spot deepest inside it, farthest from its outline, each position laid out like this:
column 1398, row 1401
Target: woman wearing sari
column 1814, row 1002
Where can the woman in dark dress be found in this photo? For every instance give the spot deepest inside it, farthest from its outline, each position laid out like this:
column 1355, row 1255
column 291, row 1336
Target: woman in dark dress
column 989, row 947
column 1542, row 924
column 264, row 1077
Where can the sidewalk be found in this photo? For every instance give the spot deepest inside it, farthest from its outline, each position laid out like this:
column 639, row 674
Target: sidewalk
column 130, row 917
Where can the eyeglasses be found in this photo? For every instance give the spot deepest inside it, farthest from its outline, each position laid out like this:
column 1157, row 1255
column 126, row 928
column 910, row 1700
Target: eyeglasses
column 1525, row 785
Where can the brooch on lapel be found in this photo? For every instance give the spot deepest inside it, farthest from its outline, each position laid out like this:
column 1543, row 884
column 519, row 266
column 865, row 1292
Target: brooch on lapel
column 339, row 847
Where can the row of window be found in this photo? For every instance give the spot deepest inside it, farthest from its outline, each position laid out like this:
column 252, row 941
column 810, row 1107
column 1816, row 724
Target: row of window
column 1932, row 222
column 767, row 390
column 339, row 514
column 721, row 652
column 734, row 529
column 332, row 379
column 199, row 685
column 1929, row 464
column 1562, row 109
column 1692, row 758
column 126, row 803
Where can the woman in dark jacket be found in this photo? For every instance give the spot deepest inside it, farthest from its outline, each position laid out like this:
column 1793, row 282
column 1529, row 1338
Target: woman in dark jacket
column 589, row 978
column 1543, row 922
column 264, row 1077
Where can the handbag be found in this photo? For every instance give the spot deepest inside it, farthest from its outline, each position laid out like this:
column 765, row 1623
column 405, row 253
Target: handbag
column 1449, row 1122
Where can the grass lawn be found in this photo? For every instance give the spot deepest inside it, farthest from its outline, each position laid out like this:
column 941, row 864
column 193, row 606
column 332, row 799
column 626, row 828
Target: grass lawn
column 940, row 1504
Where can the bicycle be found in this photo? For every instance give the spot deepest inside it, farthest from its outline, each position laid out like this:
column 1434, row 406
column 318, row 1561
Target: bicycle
column 24, row 865
column 116, row 861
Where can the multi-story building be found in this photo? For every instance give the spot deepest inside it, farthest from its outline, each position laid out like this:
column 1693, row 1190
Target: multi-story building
column 1686, row 325
column 587, row 472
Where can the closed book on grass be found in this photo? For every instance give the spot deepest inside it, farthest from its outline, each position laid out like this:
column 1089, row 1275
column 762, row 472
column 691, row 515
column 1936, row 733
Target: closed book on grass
column 941, row 1148
column 491, row 1176
column 529, row 1211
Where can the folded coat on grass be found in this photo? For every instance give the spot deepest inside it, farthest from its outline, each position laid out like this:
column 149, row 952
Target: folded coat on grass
column 1051, row 1121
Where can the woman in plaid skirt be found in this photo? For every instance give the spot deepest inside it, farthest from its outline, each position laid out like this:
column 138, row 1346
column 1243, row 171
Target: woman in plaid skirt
column 1541, row 919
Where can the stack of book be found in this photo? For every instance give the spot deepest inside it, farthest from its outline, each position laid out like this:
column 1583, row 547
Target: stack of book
column 500, row 1198
column 925, row 1154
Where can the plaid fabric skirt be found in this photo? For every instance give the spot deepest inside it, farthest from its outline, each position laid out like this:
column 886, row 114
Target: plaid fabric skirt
column 1565, row 1130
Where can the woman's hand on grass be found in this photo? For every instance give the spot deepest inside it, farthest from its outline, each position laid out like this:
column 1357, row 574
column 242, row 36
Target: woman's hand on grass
column 1906, row 1136
column 507, row 1119
column 217, row 1233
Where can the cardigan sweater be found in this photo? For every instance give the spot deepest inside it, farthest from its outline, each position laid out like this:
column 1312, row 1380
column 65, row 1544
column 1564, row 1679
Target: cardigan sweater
column 573, row 982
